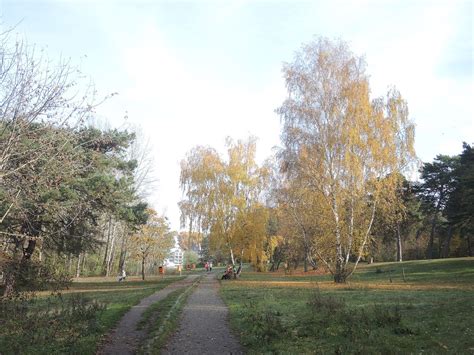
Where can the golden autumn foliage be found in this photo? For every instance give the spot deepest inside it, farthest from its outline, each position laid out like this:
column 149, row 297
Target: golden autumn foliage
column 222, row 199
column 342, row 147
column 152, row 242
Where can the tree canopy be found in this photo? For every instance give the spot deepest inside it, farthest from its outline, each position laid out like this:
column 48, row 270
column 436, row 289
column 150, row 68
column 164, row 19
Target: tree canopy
column 343, row 146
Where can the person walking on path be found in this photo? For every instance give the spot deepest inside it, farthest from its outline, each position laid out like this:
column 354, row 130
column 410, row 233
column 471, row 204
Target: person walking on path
column 205, row 310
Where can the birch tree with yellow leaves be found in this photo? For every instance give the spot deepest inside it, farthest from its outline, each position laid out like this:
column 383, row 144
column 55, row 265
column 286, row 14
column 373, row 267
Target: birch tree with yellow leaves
column 221, row 199
column 202, row 172
column 344, row 146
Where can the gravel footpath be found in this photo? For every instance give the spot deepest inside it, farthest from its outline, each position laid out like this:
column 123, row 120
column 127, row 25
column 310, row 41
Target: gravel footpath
column 203, row 326
column 125, row 338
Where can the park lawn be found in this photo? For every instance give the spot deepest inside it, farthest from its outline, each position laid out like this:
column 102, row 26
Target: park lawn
column 89, row 309
column 428, row 310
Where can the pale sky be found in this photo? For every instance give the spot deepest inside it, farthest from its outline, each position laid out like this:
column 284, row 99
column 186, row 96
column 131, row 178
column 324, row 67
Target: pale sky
column 193, row 72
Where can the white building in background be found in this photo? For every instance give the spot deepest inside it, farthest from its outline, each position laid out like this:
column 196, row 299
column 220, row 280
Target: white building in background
column 176, row 255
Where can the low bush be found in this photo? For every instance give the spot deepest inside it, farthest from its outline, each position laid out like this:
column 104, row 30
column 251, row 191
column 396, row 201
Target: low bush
column 317, row 303
column 264, row 324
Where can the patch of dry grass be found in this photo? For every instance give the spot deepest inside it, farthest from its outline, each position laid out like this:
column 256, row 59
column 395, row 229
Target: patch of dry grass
column 330, row 285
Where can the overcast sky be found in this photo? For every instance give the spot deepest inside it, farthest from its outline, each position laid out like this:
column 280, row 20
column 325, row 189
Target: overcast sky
column 193, row 72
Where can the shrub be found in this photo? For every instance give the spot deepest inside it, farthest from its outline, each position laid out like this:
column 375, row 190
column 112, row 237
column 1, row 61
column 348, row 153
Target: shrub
column 320, row 303
column 264, row 324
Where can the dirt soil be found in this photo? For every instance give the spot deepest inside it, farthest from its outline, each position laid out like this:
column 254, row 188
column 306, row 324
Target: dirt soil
column 204, row 327
column 125, row 338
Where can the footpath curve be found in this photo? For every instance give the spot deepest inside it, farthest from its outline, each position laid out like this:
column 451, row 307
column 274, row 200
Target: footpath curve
column 204, row 327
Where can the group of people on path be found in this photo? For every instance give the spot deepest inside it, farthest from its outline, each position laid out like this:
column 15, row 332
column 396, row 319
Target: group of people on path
column 208, row 266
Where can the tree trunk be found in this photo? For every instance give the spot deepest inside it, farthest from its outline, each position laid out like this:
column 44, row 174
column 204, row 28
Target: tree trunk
column 69, row 264
column 10, row 283
column 307, row 255
column 440, row 245
column 433, row 228
column 123, row 251
column 18, row 262
column 399, row 245
column 84, row 256
column 12, row 271
column 448, row 242
column 232, row 257
column 40, row 253
column 312, row 262
column 110, row 258
column 469, row 245
column 339, row 274
column 432, row 232
column 351, row 231
column 339, row 277
column 275, row 265
column 143, row 269
column 123, row 255
column 106, row 254
column 78, row 266
column 364, row 243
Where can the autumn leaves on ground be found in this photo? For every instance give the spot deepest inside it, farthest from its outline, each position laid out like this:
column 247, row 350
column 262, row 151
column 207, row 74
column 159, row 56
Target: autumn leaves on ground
column 306, row 224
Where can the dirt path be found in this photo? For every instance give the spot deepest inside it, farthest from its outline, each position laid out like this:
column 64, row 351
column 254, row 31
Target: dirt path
column 125, row 338
column 203, row 326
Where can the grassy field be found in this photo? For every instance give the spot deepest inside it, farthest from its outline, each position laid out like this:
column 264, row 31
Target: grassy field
column 75, row 321
column 386, row 308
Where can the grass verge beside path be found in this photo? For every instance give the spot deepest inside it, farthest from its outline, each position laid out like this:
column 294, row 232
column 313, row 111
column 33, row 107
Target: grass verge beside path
column 365, row 316
column 161, row 319
column 73, row 322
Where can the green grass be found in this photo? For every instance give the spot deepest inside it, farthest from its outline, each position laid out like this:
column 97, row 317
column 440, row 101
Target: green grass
column 430, row 312
column 102, row 304
column 441, row 271
column 445, row 271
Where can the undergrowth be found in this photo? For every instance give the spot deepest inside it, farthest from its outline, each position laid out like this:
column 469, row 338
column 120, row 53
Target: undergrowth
column 26, row 329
